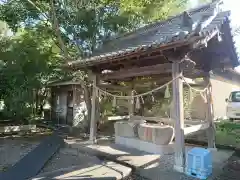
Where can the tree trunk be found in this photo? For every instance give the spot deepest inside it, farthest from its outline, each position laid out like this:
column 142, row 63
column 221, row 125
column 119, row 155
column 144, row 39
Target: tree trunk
column 87, row 98
column 55, row 25
column 36, row 102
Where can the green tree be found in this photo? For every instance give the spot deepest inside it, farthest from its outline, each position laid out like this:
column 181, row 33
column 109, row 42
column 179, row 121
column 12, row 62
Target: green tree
column 82, row 24
column 77, row 27
column 29, row 61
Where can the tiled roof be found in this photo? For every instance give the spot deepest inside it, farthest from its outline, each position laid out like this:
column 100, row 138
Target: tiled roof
column 207, row 19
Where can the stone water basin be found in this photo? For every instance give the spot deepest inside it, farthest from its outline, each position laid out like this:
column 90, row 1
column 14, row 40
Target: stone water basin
column 159, row 134
column 156, row 133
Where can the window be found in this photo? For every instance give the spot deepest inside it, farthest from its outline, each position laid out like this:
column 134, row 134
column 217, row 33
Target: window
column 235, row 96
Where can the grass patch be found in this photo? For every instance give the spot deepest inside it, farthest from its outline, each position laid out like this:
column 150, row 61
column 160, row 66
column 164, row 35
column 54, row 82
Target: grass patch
column 228, row 133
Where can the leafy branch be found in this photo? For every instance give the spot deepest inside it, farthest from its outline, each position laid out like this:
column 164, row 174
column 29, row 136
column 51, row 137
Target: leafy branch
column 57, row 30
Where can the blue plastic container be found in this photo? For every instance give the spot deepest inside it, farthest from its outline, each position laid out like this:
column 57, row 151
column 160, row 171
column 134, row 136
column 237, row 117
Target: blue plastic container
column 199, row 163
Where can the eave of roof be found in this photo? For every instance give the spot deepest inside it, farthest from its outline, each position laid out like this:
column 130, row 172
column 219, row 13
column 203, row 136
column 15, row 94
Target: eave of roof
column 63, row 82
column 160, row 35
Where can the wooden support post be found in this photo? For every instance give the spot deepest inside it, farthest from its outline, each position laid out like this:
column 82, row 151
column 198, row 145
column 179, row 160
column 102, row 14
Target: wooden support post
column 74, row 89
column 210, row 115
column 93, row 127
column 131, row 104
column 178, row 118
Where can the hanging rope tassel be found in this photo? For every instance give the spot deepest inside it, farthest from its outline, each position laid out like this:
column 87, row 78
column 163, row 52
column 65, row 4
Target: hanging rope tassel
column 105, row 95
column 100, row 96
column 153, row 99
column 190, row 96
column 138, row 106
column 97, row 91
column 204, row 97
column 114, row 103
column 131, row 100
column 167, row 94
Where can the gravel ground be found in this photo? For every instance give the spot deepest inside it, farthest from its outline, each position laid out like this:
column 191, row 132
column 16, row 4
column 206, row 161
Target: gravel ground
column 75, row 165
column 66, row 158
column 12, row 150
column 231, row 170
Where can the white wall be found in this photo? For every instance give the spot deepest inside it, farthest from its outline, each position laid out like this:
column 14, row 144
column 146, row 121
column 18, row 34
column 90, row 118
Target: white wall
column 221, row 90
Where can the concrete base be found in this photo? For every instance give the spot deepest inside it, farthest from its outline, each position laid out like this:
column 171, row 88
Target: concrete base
column 92, row 141
column 212, row 149
column 144, row 146
column 179, row 168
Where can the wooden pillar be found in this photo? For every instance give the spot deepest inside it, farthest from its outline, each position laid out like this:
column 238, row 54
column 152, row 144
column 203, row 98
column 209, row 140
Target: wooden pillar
column 178, row 116
column 93, row 127
column 131, row 105
column 210, row 115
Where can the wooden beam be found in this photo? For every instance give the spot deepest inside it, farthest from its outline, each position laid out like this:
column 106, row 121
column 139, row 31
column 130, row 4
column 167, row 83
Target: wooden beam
column 138, row 71
column 141, row 83
column 114, row 87
column 148, row 81
column 157, row 69
column 210, row 115
column 178, row 116
column 194, row 74
column 93, row 127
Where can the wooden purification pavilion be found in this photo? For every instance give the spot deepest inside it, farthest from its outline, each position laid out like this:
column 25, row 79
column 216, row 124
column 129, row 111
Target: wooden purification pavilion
column 190, row 44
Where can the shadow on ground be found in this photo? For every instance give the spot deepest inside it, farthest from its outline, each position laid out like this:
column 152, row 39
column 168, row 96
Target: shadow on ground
column 89, row 170
column 150, row 166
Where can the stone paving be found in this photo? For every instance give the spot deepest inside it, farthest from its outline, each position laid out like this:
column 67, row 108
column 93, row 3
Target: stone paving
column 65, row 164
column 74, row 162
column 147, row 165
column 71, row 164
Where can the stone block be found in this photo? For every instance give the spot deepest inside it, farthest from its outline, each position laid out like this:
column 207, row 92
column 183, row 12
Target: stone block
column 126, row 128
column 157, row 134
